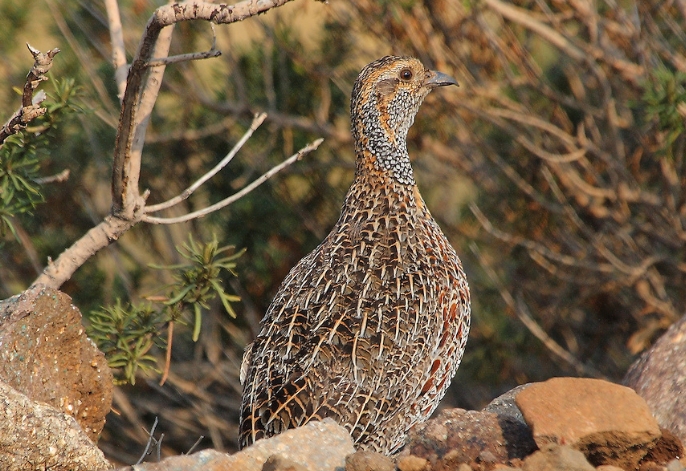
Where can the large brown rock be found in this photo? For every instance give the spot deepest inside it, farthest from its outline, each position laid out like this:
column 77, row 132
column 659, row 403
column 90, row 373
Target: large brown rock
column 609, row 423
column 659, row 377
column 45, row 354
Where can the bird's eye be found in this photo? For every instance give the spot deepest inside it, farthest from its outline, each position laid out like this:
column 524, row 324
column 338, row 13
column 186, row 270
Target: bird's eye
column 406, row 74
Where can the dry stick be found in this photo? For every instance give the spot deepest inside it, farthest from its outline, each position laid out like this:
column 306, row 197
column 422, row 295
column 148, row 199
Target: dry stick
column 244, row 191
column 151, row 439
column 197, row 442
column 142, row 112
column 63, row 176
column 30, row 105
column 193, row 56
column 256, row 122
column 167, row 357
column 522, row 312
column 118, row 48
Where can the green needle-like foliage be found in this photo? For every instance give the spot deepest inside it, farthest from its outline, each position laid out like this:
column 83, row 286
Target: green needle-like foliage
column 21, row 155
column 200, row 281
column 125, row 334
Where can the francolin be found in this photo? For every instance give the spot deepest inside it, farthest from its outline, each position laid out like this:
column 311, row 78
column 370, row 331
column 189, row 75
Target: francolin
column 370, row 327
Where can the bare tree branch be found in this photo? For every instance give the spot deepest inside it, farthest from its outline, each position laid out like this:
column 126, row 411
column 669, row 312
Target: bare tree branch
column 125, row 194
column 118, row 48
column 193, row 56
column 244, row 191
column 257, row 121
column 142, row 88
column 30, row 105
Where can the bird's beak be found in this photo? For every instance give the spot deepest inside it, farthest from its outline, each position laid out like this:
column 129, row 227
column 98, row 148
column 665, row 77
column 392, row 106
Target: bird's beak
column 439, row 79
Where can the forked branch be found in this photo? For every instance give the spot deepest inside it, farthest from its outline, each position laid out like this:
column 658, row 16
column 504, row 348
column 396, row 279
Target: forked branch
column 142, row 86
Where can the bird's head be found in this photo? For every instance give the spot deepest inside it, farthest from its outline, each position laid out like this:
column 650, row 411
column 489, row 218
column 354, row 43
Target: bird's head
column 385, row 99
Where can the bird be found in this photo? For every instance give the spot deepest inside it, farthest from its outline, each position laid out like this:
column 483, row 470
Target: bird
column 370, row 327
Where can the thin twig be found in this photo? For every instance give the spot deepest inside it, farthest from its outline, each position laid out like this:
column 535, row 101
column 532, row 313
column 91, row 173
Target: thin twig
column 197, row 442
column 247, row 189
column 151, row 439
column 167, row 357
column 185, row 194
column 63, row 176
column 191, row 56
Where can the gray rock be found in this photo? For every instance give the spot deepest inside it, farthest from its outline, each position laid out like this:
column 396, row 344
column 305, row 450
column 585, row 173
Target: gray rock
column 659, row 377
column 458, row 436
column 317, row 446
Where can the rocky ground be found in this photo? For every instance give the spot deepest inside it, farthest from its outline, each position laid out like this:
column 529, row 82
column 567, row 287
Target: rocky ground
column 53, row 402
column 563, row 424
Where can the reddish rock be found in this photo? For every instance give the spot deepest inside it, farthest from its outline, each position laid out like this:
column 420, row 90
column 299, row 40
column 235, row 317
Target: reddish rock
column 609, row 423
column 279, row 463
column 412, row 463
column 45, row 354
column 557, row 458
column 368, row 461
column 458, row 436
column 667, row 449
column 659, row 377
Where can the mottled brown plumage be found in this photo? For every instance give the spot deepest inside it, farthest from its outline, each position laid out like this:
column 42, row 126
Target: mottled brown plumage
column 370, row 327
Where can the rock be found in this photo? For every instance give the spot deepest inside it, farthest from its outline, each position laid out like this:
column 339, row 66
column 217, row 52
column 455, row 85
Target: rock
column 45, row 354
column 504, row 405
column 34, row 435
column 659, row 377
column 676, row 465
column 608, row 467
column 279, row 463
column 317, row 446
column 666, row 449
column 458, row 436
column 368, row 461
column 557, row 458
column 609, row 423
column 412, row 463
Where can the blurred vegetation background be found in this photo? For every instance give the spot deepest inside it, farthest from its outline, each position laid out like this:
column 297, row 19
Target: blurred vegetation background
column 556, row 170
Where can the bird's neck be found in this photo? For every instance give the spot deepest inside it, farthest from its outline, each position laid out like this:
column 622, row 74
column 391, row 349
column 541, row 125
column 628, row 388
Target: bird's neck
column 375, row 192
column 381, row 142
